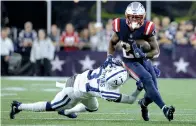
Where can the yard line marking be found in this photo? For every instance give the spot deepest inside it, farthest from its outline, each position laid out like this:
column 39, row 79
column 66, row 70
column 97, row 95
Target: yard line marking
column 13, row 89
column 50, row 90
column 34, row 125
column 104, row 119
column 7, row 94
column 4, row 98
column 102, row 113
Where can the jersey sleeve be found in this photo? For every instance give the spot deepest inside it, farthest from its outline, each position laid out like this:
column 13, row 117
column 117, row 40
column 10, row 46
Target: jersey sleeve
column 149, row 29
column 116, row 25
column 110, row 96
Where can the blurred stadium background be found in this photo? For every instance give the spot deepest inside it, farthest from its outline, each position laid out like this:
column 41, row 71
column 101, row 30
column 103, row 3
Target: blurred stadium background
column 76, row 35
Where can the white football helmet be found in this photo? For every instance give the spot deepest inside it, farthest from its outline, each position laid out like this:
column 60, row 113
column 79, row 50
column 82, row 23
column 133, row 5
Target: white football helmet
column 116, row 76
column 135, row 14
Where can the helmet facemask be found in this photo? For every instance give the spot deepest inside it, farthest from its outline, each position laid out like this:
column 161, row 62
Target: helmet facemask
column 135, row 14
column 134, row 21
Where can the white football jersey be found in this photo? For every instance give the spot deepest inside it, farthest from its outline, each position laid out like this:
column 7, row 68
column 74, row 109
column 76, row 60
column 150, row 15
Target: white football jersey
column 91, row 84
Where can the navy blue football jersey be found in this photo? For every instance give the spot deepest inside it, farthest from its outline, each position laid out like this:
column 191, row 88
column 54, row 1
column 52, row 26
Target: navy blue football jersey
column 125, row 33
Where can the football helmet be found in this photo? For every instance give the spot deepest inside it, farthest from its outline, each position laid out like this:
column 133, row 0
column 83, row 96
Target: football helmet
column 135, row 14
column 116, row 76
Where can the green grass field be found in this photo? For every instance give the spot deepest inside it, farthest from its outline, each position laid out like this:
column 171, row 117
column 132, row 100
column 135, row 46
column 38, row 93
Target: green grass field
column 180, row 93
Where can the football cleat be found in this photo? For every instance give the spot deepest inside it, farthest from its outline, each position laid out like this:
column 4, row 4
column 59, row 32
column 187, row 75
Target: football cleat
column 14, row 109
column 72, row 115
column 144, row 111
column 169, row 112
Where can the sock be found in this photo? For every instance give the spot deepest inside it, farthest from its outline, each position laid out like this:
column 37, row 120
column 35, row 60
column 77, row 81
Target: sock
column 152, row 92
column 37, row 106
column 78, row 108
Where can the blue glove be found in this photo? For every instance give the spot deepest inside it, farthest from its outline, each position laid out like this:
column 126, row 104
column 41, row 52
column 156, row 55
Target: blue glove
column 139, row 85
column 108, row 61
column 112, row 62
column 157, row 71
column 137, row 52
column 117, row 62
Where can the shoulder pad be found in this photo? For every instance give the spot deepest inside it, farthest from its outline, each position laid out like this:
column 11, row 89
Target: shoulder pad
column 149, row 28
column 116, row 25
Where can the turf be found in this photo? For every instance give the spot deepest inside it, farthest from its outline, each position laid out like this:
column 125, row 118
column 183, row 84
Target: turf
column 180, row 93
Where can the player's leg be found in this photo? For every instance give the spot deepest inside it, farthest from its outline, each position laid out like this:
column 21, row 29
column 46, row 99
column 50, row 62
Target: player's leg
column 146, row 100
column 168, row 111
column 60, row 102
column 138, row 72
column 90, row 105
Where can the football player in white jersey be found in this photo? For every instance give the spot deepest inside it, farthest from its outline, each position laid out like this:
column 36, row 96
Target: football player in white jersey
column 80, row 92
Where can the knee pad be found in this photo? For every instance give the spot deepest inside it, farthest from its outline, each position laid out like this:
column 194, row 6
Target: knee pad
column 89, row 110
column 49, row 107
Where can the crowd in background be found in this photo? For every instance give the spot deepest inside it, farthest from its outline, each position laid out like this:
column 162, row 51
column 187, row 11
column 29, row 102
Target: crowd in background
column 39, row 48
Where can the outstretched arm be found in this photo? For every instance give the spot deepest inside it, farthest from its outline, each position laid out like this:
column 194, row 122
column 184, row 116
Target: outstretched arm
column 122, row 98
column 129, row 99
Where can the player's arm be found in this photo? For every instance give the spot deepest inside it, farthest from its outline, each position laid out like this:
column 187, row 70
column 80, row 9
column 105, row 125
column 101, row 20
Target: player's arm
column 155, row 51
column 150, row 32
column 128, row 99
column 115, row 38
column 112, row 44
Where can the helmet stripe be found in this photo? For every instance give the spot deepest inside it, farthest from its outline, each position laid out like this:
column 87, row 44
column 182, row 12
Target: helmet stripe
column 115, row 74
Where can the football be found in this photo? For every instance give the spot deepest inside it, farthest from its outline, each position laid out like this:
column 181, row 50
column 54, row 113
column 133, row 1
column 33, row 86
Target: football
column 144, row 45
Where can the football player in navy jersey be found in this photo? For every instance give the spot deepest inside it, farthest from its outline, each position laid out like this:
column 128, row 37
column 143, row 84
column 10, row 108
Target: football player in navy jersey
column 128, row 31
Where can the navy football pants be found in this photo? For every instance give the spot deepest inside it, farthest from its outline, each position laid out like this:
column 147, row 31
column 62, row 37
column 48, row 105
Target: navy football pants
column 146, row 74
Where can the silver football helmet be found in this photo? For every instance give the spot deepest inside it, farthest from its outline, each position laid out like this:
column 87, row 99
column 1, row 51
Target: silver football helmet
column 135, row 14
column 116, row 76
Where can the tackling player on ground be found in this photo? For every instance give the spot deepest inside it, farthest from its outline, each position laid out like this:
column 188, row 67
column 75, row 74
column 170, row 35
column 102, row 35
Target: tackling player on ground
column 127, row 31
column 80, row 92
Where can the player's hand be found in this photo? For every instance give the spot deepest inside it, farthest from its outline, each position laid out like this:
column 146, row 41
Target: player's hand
column 108, row 61
column 112, row 62
column 139, row 85
column 157, row 71
column 117, row 62
column 137, row 52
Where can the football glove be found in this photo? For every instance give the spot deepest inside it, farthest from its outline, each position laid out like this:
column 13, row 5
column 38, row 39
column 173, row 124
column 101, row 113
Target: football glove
column 111, row 62
column 108, row 61
column 137, row 52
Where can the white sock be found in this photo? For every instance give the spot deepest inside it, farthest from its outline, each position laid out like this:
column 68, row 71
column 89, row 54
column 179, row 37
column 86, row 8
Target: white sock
column 37, row 106
column 78, row 108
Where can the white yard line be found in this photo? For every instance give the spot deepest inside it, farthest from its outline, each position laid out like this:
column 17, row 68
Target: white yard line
column 8, row 94
column 102, row 119
column 102, row 113
column 12, row 98
column 34, row 125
